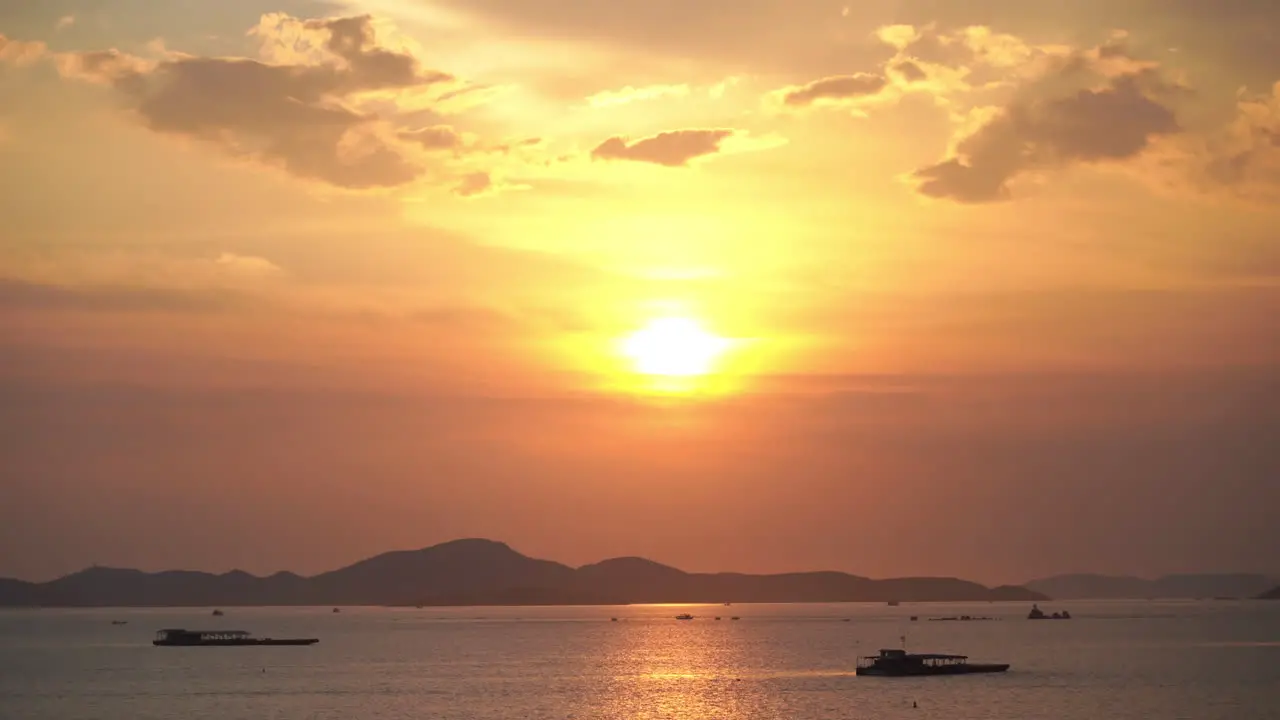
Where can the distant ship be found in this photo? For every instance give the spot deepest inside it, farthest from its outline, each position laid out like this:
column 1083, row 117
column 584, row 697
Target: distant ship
column 178, row 637
column 1038, row 614
column 685, row 616
column 900, row 663
column 217, row 613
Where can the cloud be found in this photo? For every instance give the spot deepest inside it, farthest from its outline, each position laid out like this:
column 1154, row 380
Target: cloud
column 247, row 264
column 613, row 98
column 1245, row 158
column 64, row 22
column 839, row 89
column 676, row 148
column 1085, row 107
column 474, row 185
column 435, row 137
column 20, row 52
column 19, row 295
column 300, row 110
column 483, row 184
column 924, row 60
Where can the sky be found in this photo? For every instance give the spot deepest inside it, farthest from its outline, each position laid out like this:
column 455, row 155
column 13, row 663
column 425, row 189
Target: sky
column 899, row 287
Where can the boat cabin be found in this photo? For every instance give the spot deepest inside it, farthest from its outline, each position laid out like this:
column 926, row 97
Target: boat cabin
column 179, row 636
column 901, row 658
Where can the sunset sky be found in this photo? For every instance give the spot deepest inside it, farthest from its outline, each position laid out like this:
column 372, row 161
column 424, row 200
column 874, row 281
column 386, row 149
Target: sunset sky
column 987, row 289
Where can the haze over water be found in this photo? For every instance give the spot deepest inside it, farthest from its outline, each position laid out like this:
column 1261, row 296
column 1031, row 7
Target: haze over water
column 1130, row 660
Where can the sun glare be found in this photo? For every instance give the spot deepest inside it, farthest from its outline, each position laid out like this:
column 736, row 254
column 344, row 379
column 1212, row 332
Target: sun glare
column 674, row 347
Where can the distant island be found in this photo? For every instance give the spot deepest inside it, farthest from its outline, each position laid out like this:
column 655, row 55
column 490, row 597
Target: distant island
column 1174, row 587
column 483, row 572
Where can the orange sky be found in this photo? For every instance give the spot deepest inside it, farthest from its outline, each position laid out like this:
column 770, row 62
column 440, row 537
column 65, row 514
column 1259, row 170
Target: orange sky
column 284, row 284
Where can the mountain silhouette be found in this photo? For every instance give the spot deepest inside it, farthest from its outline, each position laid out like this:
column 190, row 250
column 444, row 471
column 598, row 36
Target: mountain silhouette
column 1190, row 586
column 481, row 572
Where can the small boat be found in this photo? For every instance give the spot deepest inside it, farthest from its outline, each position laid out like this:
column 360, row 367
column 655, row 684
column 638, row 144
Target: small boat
column 119, row 622
column 685, row 616
column 1038, row 614
column 900, row 663
column 894, row 603
column 178, row 637
column 217, row 613
column 337, row 610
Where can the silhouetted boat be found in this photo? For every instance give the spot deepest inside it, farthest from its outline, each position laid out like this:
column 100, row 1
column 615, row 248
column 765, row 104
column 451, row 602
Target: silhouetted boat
column 685, row 616
column 178, row 637
column 1038, row 614
column 217, row 613
column 900, row 663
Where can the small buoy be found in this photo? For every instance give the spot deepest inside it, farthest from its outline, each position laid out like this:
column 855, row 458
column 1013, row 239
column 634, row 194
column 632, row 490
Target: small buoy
column 913, row 704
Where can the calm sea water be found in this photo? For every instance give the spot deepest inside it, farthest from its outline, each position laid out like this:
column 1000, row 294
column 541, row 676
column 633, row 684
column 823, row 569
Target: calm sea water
column 1147, row 660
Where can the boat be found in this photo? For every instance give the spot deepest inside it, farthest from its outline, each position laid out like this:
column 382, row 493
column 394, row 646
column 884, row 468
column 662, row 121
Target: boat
column 179, row 637
column 685, row 616
column 217, row 613
column 900, row 663
column 1038, row 614
column 893, row 603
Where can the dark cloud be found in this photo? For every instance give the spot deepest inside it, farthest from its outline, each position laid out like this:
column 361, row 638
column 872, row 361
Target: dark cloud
column 16, row 295
column 1045, row 127
column 838, row 88
column 436, row 137
column 298, row 115
column 909, row 71
column 475, row 184
column 672, row 149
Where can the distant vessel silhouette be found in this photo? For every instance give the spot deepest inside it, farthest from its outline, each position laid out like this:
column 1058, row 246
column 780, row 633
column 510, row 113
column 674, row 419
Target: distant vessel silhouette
column 179, row 637
column 900, row 663
column 685, row 616
column 1038, row 614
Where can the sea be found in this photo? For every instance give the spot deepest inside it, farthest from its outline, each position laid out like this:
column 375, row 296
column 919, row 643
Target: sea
column 1211, row 660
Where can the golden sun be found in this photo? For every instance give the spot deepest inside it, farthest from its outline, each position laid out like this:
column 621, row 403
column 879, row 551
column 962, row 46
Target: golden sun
column 674, row 347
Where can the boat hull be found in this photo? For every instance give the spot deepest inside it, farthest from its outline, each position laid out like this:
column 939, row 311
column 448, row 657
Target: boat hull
column 237, row 642
column 967, row 669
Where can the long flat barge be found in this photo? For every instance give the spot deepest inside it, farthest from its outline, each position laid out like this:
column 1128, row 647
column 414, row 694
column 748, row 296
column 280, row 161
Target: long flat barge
column 179, row 637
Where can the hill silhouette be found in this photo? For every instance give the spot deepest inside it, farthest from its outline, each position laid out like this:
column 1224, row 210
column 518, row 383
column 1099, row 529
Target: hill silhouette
column 481, row 572
column 1111, row 587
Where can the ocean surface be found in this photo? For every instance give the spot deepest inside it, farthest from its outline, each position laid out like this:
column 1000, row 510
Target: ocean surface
column 1150, row 660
